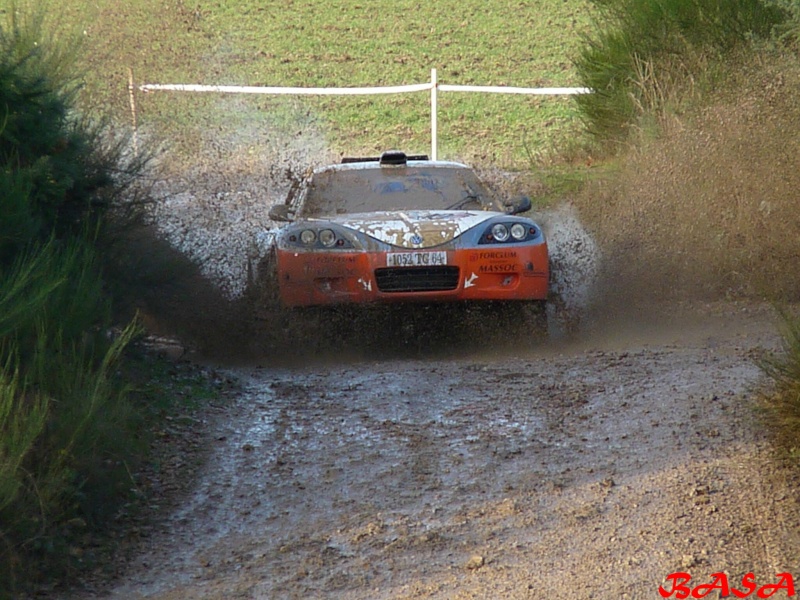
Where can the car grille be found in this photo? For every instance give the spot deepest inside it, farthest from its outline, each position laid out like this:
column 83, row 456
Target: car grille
column 417, row 279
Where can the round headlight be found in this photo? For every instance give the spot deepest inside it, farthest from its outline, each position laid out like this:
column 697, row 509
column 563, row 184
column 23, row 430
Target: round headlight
column 518, row 231
column 327, row 237
column 308, row 237
column 500, row 232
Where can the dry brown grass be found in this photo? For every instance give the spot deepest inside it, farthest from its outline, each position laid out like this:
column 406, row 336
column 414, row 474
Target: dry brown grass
column 710, row 208
column 778, row 394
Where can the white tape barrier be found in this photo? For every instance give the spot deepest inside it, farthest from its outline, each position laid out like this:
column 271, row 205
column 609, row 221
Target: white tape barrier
column 396, row 89
column 501, row 89
column 236, row 89
column 433, row 86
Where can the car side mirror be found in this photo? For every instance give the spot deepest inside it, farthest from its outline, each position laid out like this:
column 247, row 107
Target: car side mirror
column 518, row 205
column 280, row 212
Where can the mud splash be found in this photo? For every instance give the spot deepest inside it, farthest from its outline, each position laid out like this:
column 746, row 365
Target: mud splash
column 574, row 263
column 215, row 210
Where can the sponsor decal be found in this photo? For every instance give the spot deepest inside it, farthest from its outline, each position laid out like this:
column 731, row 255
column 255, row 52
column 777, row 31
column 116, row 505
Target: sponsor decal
column 494, row 255
column 328, row 259
column 498, row 268
column 329, row 271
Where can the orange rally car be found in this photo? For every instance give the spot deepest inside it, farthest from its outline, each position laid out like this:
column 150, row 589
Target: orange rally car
column 400, row 228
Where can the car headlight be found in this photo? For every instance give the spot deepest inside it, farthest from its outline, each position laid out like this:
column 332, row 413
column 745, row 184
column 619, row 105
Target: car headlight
column 308, row 237
column 518, row 231
column 313, row 236
column 500, row 232
column 327, row 237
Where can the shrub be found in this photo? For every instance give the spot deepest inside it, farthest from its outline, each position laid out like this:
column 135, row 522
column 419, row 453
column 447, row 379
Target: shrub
column 647, row 54
column 789, row 31
column 67, row 432
column 62, row 170
column 22, row 419
column 712, row 199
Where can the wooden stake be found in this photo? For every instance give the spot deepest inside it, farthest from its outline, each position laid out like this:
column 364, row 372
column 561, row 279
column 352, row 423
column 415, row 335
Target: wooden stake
column 133, row 112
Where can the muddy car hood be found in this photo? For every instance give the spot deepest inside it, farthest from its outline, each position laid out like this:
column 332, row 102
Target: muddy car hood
column 415, row 228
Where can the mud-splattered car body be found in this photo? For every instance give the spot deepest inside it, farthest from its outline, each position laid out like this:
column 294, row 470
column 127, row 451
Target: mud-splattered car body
column 403, row 228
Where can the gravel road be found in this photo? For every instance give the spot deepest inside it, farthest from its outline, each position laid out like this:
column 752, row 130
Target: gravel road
column 584, row 469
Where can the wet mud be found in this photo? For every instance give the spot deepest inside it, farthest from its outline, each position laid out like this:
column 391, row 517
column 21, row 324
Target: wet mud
column 583, row 468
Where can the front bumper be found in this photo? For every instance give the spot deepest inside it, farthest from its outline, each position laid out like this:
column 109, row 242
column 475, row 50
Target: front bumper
column 473, row 274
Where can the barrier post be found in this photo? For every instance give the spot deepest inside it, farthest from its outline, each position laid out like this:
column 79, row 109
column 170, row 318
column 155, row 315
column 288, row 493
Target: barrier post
column 132, row 100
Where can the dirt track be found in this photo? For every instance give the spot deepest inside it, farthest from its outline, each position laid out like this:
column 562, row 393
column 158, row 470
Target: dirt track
column 583, row 470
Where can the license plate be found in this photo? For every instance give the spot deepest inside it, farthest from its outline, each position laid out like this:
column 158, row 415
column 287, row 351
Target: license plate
column 416, row 259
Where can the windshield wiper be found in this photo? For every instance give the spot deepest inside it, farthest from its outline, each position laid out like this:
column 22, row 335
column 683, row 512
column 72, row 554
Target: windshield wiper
column 465, row 200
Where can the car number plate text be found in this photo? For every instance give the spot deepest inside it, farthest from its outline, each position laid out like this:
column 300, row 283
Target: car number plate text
column 416, row 259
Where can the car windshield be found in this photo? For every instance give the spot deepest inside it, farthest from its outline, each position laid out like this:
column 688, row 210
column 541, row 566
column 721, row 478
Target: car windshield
column 340, row 191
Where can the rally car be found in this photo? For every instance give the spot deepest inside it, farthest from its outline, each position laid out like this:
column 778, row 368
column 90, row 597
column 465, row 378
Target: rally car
column 405, row 229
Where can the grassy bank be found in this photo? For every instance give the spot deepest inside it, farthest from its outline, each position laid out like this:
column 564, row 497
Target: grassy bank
column 68, row 436
column 698, row 112
column 343, row 44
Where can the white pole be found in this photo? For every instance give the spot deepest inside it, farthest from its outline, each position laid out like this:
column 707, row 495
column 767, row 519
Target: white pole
column 434, row 89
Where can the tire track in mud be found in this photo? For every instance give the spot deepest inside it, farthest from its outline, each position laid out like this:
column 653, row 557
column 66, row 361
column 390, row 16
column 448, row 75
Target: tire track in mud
column 588, row 471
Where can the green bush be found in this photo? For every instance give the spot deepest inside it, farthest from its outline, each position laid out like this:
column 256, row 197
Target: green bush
column 647, row 54
column 63, row 172
column 67, row 430
column 68, row 436
column 789, row 31
column 22, row 419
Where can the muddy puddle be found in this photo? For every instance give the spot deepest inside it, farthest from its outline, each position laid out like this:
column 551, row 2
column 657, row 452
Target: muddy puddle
column 607, row 463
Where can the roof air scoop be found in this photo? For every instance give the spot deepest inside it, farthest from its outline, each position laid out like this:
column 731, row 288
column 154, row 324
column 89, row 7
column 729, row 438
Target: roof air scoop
column 390, row 158
column 394, row 158
column 398, row 158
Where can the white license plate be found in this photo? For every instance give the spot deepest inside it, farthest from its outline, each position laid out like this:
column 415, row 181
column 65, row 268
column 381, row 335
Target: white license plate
column 416, row 259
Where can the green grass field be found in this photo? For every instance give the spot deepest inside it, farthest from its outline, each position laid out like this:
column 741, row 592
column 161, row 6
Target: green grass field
column 342, row 43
